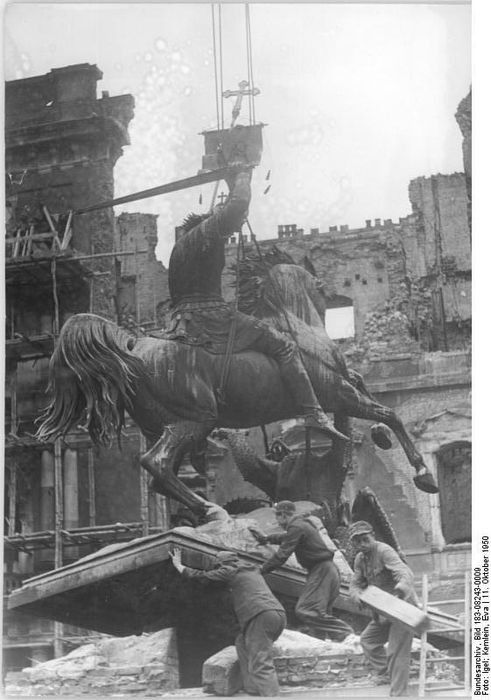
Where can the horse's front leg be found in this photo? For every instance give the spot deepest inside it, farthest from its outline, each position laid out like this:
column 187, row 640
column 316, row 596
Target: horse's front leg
column 163, row 459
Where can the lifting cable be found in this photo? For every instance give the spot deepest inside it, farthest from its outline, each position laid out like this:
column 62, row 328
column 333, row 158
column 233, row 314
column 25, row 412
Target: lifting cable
column 215, row 65
column 221, row 57
column 250, row 73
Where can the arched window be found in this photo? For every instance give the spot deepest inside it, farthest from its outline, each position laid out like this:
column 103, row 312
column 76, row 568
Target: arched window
column 454, row 481
column 339, row 318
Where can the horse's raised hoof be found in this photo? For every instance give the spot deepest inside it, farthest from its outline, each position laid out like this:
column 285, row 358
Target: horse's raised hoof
column 381, row 436
column 425, row 482
column 215, row 512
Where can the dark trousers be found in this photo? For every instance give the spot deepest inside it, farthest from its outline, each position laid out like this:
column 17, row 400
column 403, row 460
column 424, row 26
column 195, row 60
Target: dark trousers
column 397, row 660
column 255, row 651
column 314, row 607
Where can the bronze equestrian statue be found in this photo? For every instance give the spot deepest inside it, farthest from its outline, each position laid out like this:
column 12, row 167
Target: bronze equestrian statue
column 174, row 386
column 201, row 317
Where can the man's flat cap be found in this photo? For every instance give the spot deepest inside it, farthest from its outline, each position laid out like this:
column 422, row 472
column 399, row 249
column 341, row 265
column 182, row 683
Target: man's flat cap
column 286, row 507
column 361, row 527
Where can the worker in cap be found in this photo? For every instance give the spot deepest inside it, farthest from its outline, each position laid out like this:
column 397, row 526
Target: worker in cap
column 260, row 615
column 302, row 537
column 361, row 527
column 378, row 564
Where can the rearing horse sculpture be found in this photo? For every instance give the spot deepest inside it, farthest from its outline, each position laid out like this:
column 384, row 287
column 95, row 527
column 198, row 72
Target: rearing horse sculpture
column 99, row 371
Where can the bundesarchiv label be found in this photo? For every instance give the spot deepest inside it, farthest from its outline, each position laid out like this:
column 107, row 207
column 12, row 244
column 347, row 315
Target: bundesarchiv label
column 480, row 614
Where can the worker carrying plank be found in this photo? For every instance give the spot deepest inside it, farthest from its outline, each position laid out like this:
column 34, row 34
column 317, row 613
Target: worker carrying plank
column 378, row 564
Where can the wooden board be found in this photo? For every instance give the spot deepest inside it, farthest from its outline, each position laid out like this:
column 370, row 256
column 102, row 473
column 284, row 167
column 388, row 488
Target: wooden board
column 395, row 609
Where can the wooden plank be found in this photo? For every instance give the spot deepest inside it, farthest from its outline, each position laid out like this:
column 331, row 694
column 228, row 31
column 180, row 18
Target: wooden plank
column 17, row 241
column 34, row 237
column 395, row 609
column 67, row 234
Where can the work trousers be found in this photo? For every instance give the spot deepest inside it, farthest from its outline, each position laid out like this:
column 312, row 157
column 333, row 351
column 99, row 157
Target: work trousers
column 314, row 607
column 397, row 660
column 255, row 651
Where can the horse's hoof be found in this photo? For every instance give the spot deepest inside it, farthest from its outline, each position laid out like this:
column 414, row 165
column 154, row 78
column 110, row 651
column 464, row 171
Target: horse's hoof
column 381, row 436
column 215, row 512
column 425, row 482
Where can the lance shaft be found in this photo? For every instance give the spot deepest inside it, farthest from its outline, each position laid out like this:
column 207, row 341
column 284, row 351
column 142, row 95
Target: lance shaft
column 195, row 180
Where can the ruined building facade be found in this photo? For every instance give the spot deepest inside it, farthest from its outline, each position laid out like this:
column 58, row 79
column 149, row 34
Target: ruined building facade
column 62, row 499
column 404, row 291
column 404, row 288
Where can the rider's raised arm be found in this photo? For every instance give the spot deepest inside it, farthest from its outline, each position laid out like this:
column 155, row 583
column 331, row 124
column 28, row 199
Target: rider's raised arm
column 228, row 219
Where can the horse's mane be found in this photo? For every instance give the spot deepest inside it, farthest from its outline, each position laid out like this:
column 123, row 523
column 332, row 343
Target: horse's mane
column 91, row 379
column 272, row 282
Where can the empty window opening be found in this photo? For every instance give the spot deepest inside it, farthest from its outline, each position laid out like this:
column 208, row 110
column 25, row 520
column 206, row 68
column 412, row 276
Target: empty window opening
column 339, row 318
column 454, row 481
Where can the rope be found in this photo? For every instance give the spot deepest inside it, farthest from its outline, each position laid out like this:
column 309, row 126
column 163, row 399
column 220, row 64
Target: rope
column 249, row 66
column 221, row 57
column 215, row 65
column 247, row 29
column 233, row 329
column 254, row 240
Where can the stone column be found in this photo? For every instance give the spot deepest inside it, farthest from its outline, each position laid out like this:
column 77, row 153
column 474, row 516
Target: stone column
column 70, row 495
column 70, row 489
column 47, row 505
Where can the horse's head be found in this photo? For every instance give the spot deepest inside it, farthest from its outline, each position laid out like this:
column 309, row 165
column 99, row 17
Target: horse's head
column 298, row 291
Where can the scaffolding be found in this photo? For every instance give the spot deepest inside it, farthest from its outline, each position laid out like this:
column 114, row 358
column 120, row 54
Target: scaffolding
column 37, row 259
column 428, row 658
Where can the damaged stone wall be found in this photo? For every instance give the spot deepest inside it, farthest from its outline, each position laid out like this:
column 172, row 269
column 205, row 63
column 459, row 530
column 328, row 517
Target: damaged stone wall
column 62, row 143
column 143, row 294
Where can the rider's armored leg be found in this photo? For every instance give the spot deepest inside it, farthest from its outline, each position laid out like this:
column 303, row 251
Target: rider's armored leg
column 295, row 376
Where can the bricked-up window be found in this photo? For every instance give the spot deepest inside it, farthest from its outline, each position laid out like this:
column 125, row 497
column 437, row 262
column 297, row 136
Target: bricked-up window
column 339, row 318
column 454, row 481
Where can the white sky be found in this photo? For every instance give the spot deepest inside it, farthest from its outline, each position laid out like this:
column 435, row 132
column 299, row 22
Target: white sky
column 358, row 98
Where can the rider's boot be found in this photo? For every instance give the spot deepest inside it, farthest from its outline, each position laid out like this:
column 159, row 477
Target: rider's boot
column 298, row 382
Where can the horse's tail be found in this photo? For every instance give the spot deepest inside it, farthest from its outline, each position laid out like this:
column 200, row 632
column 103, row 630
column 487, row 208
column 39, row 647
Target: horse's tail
column 91, row 378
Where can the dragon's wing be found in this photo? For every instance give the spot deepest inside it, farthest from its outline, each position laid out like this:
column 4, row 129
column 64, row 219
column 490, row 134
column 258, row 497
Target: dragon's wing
column 366, row 506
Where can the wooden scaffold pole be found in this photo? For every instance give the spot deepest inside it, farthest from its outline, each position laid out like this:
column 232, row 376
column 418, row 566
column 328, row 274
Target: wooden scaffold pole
column 144, row 491
column 58, row 626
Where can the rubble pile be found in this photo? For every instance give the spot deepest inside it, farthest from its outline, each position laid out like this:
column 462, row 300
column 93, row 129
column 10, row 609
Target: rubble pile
column 300, row 661
column 144, row 665
column 305, row 662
